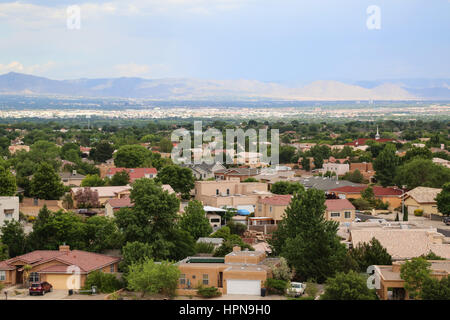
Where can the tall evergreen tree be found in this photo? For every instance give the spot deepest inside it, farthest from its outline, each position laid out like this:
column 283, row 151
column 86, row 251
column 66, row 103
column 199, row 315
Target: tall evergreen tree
column 8, row 185
column 385, row 165
column 46, row 183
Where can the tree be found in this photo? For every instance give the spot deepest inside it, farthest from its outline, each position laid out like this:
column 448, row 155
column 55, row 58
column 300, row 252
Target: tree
column 307, row 240
column 414, row 152
column 194, row 220
column 415, row 272
column 286, row 154
column 152, row 278
column 179, row 178
column 104, row 282
column 92, row 180
column 121, row 178
column 135, row 252
column 434, row 289
column 8, row 185
column 318, row 162
column 131, row 156
column 101, row 152
column 87, row 198
column 101, row 233
column 443, row 200
column 282, row 271
column 306, row 165
column 165, row 145
column 286, row 187
column 355, row 176
column 46, row 183
column 369, row 254
column 385, row 165
column 347, row 286
column 13, row 236
column 4, row 252
column 422, row 172
column 250, row 179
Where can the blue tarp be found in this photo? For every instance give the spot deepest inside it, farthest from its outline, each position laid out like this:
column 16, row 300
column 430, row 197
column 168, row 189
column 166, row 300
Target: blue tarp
column 243, row 212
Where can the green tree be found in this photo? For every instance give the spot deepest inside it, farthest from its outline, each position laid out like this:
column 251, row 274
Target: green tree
column 355, row 176
column 307, row 240
column 194, row 220
column 92, row 180
column 306, row 164
column 132, row 156
column 101, row 233
column 385, row 165
column 318, row 162
column 165, row 145
column 46, row 183
column 13, row 236
column 104, row 282
column 415, row 272
column 8, row 185
column 101, row 152
column 434, row 289
column 422, row 172
column 286, row 187
column 121, row 178
column 152, row 278
column 179, row 178
column 135, row 252
column 369, row 254
column 443, row 200
column 4, row 252
column 347, row 286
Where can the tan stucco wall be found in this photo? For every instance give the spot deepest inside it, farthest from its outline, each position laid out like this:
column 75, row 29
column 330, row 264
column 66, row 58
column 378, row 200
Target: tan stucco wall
column 341, row 218
column 428, row 208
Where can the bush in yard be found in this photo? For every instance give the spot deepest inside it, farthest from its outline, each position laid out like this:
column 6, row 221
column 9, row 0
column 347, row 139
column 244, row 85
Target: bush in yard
column 275, row 286
column 208, row 292
column 348, row 286
column 105, row 282
column 282, row 271
column 418, row 212
column 203, row 247
column 311, row 289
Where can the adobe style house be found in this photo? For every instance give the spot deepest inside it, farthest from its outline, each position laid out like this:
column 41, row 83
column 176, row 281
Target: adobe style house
column 391, row 195
column 325, row 183
column 56, row 266
column 19, row 147
column 366, row 169
column 204, row 171
column 134, row 173
column 338, row 168
column 241, row 173
column 230, row 193
column 422, row 198
column 239, row 272
column 71, row 178
column 270, row 210
column 392, row 286
column 9, row 209
column 32, row 206
column 105, row 193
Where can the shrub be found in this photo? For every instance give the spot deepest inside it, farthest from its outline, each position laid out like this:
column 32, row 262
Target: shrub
column 418, row 212
column 275, row 286
column 208, row 292
column 311, row 289
column 105, row 282
column 31, row 219
column 203, row 247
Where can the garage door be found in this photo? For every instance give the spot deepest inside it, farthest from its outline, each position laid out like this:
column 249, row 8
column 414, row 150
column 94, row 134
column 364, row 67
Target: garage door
column 58, row 281
column 250, row 287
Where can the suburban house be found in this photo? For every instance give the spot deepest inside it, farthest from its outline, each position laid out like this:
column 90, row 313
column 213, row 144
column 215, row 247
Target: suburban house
column 391, row 195
column 105, row 193
column 239, row 272
column 338, row 168
column 402, row 240
column 134, row 173
column 392, row 286
column 366, row 169
column 422, row 198
column 272, row 208
column 251, row 159
column 32, row 206
column 241, row 173
column 71, row 178
column 9, row 209
column 56, row 267
column 18, row 147
column 230, row 193
column 216, row 242
column 340, row 210
column 204, row 171
column 442, row 162
column 325, row 183
column 114, row 204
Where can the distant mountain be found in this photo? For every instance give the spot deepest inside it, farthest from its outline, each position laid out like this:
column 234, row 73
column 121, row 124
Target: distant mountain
column 194, row 89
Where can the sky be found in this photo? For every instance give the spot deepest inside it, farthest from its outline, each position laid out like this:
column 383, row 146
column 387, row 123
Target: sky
column 286, row 41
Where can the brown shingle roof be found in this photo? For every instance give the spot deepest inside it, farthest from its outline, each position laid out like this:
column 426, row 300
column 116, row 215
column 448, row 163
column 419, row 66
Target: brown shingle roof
column 338, row 205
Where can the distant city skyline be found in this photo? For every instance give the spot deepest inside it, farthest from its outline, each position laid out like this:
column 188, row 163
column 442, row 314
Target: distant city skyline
column 286, row 41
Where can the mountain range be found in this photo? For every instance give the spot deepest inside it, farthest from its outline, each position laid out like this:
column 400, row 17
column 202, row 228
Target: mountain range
column 196, row 89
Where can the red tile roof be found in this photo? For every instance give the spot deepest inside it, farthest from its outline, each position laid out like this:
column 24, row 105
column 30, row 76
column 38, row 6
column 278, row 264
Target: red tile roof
column 135, row 173
column 86, row 261
column 377, row 190
column 338, row 205
column 278, row 200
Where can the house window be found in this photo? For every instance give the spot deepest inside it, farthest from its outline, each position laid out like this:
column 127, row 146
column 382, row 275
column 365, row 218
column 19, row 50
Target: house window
column 348, row 214
column 34, row 277
column 111, row 268
column 335, row 214
column 228, row 192
column 205, row 279
column 182, row 279
column 215, row 220
column 217, row 192
column 2, row 275
column 259, row 207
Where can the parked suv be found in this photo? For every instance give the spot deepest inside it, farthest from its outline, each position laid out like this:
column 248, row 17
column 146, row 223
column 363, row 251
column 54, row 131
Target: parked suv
column 446, row 220
column 40, row 288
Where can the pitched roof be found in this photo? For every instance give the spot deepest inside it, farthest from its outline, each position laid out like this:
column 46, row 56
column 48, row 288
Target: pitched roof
column 124, row 202
column 105, row 191
column 325, row 183
column 339, row 204
column 134, row 173
column 86, row 261
column 377, row 190
column 239, row 171
column 424, row 194
column 278, row 200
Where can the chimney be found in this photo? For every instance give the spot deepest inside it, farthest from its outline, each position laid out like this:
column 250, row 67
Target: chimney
column 64, row 248
column 236, row 248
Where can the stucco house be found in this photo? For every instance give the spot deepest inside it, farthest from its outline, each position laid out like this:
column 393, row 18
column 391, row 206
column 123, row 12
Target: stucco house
column 340, row 210
column 391, row 195
column 9, row 209
column 422, row 198
column 204, row 171
column 239, row 272
column 71, row 178
column 134, row 173
column 56, row 267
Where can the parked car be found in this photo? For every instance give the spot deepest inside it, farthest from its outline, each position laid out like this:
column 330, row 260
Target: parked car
column 446, row 220
column 357, row 219
column 86, row 212
column 40, row 288
column 296, row 289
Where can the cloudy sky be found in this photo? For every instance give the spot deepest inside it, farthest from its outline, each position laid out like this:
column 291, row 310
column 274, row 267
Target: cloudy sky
column 290, row 41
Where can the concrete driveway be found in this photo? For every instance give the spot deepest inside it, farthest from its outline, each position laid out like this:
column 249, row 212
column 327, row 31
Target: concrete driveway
column 54, row 295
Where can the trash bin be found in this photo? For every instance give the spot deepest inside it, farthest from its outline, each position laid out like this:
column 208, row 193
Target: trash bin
column 263, row 292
